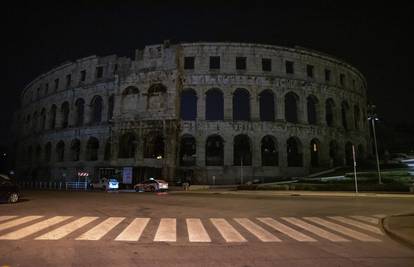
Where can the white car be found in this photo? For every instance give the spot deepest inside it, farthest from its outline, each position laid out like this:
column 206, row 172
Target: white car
column 105, row 184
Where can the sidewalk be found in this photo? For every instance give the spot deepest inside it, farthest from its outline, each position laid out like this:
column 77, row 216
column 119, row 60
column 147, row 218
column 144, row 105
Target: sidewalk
column 400, row 227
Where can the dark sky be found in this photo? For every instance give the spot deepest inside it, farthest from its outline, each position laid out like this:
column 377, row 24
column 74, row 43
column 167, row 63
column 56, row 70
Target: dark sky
column 376, row 39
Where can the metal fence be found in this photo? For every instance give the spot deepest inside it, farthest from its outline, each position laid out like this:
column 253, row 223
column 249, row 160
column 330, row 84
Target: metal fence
column 58, row 185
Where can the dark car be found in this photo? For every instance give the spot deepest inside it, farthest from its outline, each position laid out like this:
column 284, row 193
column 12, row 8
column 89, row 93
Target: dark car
column 8, row 191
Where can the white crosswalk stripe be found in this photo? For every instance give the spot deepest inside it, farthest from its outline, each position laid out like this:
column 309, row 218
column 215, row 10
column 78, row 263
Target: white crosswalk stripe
column 292, row 233
column 256, row 230
column 166, row 231
column 341, row 229
column 5, row 218
column 29, row 230
column 66, row 229
column 227, row 231
column 196, row 231
column 101, row 229
column 134, row 230
column 357, row 224
column 232, row 230
column 315, row 230
column 366, row 219
column 18, row 222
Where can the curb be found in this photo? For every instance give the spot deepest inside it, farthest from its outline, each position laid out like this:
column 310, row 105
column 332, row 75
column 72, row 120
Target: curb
column 393, row 234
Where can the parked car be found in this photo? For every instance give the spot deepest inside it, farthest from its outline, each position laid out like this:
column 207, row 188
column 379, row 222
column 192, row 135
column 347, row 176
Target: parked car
column 8, row 191
column 151, row 185
column 105, row 184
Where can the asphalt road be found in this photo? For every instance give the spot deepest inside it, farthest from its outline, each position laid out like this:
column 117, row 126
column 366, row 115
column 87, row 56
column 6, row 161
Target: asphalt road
column 190, row 229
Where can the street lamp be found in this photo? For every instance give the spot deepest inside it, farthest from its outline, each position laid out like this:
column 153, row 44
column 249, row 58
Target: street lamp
column 373, row 117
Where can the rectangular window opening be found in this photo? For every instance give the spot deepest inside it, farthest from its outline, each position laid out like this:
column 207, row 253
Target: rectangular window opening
column 266, row 64
column 214, row 63
column 188, row 63
column 309, row 71
column 289, row 67
column 241, row 63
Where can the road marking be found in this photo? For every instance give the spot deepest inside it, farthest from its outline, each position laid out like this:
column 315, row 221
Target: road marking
column 357, row 224
column 196, row 231
column 292, row 233
column 101, row 229
column 227, row 231
column 315, row 230
column 167, row 230
column 31, row 229
column 256, row 230
column 5, row 218
column 366, row 219
column 380, row 216
column 17, row 222
column 341, row 229
column 66, row 229
column 134, row 230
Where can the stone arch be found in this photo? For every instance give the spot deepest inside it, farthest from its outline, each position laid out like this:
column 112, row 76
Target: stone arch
column 64, row 110
column 154, row 145
column 242, row 150
column 188, row 150
column 312, row 107
column 315, row 148
column 294, row 152
column 60, row 151
column 345, row 114
column 127, row 145
column 241, row 105
column 96, row 109
column 157, row 94
column 35, row 121
column 214, row 150
column 111, row 105
column 92, row 148
column 357, row 116
column 269, row 151
column 334, row 153
column 214, row 105
column 188, row 105
column 291, row 107
column 129, row 99
column 330, row 112
column 80, row 112
column 43, row 119
column 75, row 148
column 348, row 154
column 267, row 105
column 48, row 152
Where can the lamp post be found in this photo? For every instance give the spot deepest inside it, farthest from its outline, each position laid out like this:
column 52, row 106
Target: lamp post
column 373, row 118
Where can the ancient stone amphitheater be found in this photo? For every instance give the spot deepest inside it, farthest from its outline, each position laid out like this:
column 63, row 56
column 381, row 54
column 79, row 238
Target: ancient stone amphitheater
column 216, row 112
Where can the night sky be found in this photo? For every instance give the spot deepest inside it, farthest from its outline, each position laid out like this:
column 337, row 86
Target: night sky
column 377, row 39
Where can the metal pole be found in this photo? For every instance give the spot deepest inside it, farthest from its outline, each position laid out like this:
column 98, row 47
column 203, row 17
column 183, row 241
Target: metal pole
column 376, row 150
column 241, row 170
column 355, row 174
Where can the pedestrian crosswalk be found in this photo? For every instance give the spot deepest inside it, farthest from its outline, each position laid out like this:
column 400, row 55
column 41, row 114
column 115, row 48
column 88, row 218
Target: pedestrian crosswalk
column 202, row 230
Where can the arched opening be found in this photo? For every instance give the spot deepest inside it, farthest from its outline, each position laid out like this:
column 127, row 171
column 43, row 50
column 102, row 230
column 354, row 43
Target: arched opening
column 92, row 148
column 188, row 105
column 242, row 154
column 111, row 103
column 80, row 111
column 187, row 151
column 314, row 152
column 48, row 152
column 357, row 116
column 267, row 105
column 348, row 154
column 75, row 150
column 96, row 110
column 214, row 105
column 241, row 105
column 329, row 112
column 294, row 152
column 214, row 151
column 157, row 94
column 107, row 153
column 60, row 151
column 35, row 121
column 65, row 114
column 130, row 99
column 291, row 107
column 312, row 106
column 333, row 153
column 52, row 122
column 154, row 146
column 127, row 146
column 345, row 113
column 43, row 119
column 270, row 153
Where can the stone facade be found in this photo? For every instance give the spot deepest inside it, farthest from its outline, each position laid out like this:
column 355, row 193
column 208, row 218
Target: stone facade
column 215, row 112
